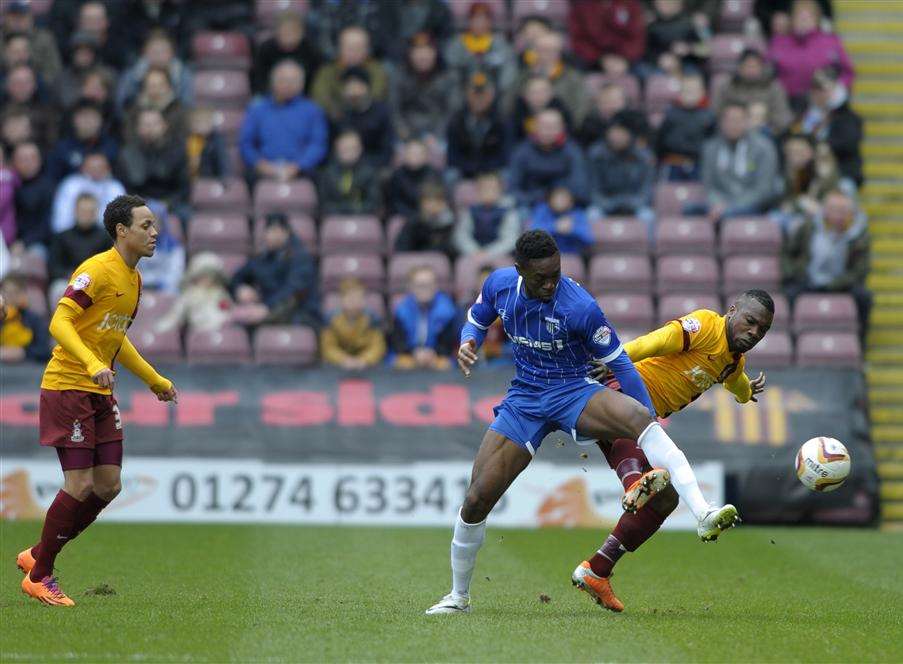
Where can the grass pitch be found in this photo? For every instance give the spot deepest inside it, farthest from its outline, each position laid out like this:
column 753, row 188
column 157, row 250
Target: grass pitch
column 279, row 593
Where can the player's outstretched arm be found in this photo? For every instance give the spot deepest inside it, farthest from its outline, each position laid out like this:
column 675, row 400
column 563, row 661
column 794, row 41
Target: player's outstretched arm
column 62, row 328
column 743, row 388
column 131, row 359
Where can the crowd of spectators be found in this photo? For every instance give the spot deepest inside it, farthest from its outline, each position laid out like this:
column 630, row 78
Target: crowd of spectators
column 555, row 121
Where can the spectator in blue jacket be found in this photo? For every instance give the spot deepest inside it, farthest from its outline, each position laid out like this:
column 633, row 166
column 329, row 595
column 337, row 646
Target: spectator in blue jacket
column 87, row 136
column 565, row 220
column 279, row 284
column 286, row 134
column 425, row 324
column 546, row 160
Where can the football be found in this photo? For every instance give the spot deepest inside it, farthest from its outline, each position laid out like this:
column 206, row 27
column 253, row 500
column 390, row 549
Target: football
column 822, row 464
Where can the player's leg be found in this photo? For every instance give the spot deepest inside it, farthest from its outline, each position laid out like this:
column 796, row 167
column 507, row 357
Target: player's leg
column 498, row 462
column 641, row 482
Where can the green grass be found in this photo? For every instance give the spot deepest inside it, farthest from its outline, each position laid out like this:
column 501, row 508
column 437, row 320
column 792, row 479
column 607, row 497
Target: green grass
column 249, row 593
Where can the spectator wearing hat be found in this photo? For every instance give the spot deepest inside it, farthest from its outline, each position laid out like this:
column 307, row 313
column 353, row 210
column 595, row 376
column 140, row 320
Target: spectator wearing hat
column 424, row 325
column 278, row 285
column 478, row 48
column 491, row 226
column 289, row 42
column 369, row 118
column 602, row 29
column 348, row 184
column 204, row 304
column 423, row 93
column 548, row 159
column 478, row 138
column 622, row 174
column 546, row 58
column 688, row 123
column 285, row 134
column 87, row 135
column 159, row 52
column 402, row 191
column 753, row 83
column 17, row 19
column 352, row 340
column 431, row 228
column 354, row 51
column 611, row 100
column 33, row 197
column 82, row 60
column 23, row 333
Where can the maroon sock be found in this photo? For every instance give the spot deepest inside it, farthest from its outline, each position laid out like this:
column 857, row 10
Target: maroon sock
column 627, row 460
column 57, row 527
column 630, row 532
column 90, row 508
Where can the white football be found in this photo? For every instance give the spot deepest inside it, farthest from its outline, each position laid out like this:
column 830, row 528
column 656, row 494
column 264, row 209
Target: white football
column 822, row 464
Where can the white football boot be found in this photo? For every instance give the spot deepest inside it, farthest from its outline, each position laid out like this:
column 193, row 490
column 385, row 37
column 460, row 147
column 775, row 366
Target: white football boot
column 450, row 604
column 716, row 521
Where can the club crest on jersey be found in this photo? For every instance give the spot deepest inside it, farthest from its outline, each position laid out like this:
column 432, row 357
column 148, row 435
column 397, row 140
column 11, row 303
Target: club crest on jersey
column 77, row 435
column 690, row 325
column 602, row 336
column 81, row 282
column 553, row 325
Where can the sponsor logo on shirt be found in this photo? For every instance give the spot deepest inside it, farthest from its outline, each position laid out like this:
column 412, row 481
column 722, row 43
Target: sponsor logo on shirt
column 117, row 322
column 556, row 344
column 700, row 378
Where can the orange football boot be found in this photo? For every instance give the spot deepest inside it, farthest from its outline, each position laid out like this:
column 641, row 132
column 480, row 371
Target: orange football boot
column 644, row 489
column 597, row 587
column 46, row 590
column 25, row 561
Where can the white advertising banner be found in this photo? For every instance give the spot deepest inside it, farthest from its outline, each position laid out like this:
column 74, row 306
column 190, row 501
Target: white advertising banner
column 415, row 494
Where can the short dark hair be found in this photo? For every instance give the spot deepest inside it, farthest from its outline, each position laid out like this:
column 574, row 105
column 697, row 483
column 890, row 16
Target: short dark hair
column 760, row 296
column 733, row 104
column 533, row 245
column 119, row 211
column 85, row 194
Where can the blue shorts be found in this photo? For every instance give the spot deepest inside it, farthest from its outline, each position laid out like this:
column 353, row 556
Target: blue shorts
column 528, row 413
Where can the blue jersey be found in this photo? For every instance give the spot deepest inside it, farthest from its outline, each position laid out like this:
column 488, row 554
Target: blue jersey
column 553, row 342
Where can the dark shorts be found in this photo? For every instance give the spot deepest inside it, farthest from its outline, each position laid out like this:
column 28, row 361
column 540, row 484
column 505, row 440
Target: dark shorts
column 74, row 419
column 77, row 458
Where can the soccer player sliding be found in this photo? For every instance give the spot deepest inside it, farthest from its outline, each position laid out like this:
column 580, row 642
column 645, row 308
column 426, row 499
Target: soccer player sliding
column 677, row 362
column 556, row 329
column 78, row 414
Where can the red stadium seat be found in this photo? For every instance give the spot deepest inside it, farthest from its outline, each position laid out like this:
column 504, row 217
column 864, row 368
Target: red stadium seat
column 222, row 87
column 774, row 350
column 374, row 303
column 467, row 274
column 465, row 194
column 228, row 122
column 628, row 310
column 661, row 90
column 628, row 83
column 37, row 300
column 267, row 11
column 401, row 263
column 229, row 345
column 153, row 305
column 825, row 312
column 40, row 7
column 393, row 228
column 461, row 8
column 671, row 197
column 734, row 14
column 229, row 194
column 225, row 50
column 351, row 234
column 219, row 231
column 750, row 235
column 828, row 349
column 556, row 11
column 574, row 267
column 30, row 265
column 301, row 224
column 232, row 263
column 726, row 50
column 156, row 346
column 617, row 235
column 687, row 274
column 685, row 235
column 285, row 345
column 368, row 268
column 630, row 333
column 743, row 272
column 628, row 273
column 781, row 309
column 293, row 196
column 674, row 306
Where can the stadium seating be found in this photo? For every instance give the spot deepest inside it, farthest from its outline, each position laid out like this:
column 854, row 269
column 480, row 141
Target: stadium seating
column 618, row 235
column 556, row 11
column 157, row 346
column 368, row 268
column 687, row 274
column 629, row 273
column 743, row 272
column 573, row 266
column 734, row 14
column 628, row 310
column 229, row 345
column 298, row 196
column 222, row 88
column 393, row 228
column 228, row 194
column 828, row 349
column 152, row 306
column 774, row 350
column 30, row 265
column 674, row 306
column 401, row 264
column 467, row 272
column 351, row 234
column 232, row 262
column 228, row 122
column 285, row 345
column 828, row 312
column 671, row 197
column 267, row 11
column 684, row 236
column 302, row 225
column 661, row 90
column 750, row 235
column 374, row 303
column 219, row 231
column 221, row 50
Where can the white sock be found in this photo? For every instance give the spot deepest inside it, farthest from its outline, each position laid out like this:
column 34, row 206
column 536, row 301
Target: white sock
column 663, row 453
column 466, row 542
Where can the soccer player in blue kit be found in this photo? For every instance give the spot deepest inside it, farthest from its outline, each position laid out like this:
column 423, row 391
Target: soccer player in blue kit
column 556, row 329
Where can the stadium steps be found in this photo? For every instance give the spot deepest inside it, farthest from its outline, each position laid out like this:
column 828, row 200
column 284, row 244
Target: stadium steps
column 872, row 31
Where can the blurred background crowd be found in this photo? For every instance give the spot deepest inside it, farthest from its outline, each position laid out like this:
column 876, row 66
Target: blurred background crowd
column 333, row 178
